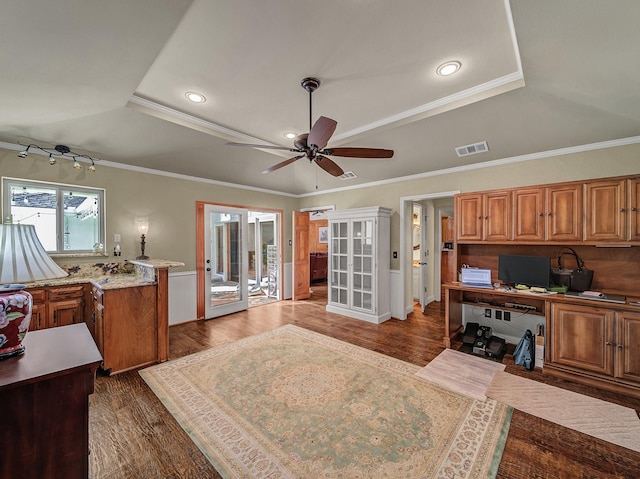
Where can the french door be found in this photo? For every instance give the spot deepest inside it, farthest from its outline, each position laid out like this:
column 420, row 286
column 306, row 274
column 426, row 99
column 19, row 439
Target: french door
column 225, row 246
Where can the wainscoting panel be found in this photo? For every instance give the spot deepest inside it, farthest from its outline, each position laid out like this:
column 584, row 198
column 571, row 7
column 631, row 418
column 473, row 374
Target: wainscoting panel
column 182, row 297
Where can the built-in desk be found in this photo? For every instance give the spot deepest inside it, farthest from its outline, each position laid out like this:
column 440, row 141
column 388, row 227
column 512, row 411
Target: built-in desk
column 586, row 340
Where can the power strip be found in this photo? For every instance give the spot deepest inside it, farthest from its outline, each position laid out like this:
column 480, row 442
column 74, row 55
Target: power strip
column 525, row 307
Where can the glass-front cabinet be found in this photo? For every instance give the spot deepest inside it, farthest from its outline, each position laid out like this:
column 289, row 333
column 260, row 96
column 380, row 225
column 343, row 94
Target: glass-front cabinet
column 359, row 263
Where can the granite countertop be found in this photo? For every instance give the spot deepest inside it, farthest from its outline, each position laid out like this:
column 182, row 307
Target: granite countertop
column 155, row 263
column 108, row 281
column 110, row 275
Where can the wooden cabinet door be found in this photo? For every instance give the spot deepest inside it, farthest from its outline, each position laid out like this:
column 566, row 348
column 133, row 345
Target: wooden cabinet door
column 606, row 211
column 469, row 217
column 582, row 338
column 564, row 212
column 633, row 216
column 64, row 313
column 529, row 215
column 38, row 310
column 497, row 216
column 628, row 346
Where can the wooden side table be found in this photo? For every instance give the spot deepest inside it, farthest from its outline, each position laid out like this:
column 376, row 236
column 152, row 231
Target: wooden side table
column 44, row 404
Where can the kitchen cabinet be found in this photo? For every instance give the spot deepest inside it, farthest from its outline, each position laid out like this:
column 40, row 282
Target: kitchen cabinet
column 65, row 305
column 552, row 213
column 484, row 216
column 627, row 344
column 633, row 198
column 39, row 310
column 359, row 274
column 598, row 345
column 55, row 306
column 606, row 211
column 125, row 327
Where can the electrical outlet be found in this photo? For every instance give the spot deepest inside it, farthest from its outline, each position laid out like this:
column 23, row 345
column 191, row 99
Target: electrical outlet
column 507, row 316
column 487, row 313
column 498, row 314
column 116, row 238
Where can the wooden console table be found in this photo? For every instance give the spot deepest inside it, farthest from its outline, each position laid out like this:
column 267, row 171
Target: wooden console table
column 44, row 402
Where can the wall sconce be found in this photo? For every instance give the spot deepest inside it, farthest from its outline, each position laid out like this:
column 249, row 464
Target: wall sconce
column 22, row 259
column 60, row 151
column 143, row 229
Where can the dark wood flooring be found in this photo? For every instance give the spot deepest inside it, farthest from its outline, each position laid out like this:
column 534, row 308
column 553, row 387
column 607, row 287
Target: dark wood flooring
column 133, row 436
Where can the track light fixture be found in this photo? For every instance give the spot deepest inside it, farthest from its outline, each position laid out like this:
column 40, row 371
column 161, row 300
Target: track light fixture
column 60, row 151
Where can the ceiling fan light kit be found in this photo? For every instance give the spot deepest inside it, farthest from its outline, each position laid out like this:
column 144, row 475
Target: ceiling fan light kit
column 312, row 145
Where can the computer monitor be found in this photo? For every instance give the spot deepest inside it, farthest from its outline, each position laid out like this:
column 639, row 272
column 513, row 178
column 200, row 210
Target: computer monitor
column 527, row 270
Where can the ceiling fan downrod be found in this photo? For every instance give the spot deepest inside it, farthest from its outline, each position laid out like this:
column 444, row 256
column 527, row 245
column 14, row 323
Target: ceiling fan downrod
column 310, row 84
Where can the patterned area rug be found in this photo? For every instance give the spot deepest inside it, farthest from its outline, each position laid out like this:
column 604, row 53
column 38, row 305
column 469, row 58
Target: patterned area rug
column 292, row 403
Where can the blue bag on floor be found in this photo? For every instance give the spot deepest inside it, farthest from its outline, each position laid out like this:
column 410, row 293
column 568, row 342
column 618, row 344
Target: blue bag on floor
column 524, row 352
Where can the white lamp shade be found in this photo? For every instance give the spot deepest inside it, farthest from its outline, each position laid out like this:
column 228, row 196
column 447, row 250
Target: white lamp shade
column 23, row 259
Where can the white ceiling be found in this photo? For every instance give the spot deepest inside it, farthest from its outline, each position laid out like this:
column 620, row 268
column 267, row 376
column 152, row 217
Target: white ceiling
column 109, row 79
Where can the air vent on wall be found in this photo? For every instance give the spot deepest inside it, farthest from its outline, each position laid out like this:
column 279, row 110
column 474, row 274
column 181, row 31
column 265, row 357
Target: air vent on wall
column 347, row 175
column 473, row 149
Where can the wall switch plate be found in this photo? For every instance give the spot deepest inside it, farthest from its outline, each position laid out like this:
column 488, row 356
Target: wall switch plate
column 395, row 254
column 116, row 238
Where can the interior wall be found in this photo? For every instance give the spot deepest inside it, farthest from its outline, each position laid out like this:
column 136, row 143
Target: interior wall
column 617, row 161
column 314, row 236
column 168, row 202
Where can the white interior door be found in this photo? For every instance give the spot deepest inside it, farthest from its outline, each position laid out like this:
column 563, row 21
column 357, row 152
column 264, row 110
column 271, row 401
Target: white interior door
column 226, row 270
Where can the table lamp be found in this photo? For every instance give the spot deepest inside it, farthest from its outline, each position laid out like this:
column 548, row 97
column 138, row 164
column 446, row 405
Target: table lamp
column 23, row 259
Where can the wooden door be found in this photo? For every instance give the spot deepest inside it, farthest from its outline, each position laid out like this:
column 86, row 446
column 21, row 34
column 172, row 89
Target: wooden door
column 564, row 212
column 497, row 216
column 633, row 188
column 582, row 338
column 606, row 211
column 301, row 272
column 627, row 342
column 469, row 217
column 529, row 215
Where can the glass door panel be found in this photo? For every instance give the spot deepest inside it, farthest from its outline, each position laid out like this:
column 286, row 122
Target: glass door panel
column 227, row 260
column 338, row 254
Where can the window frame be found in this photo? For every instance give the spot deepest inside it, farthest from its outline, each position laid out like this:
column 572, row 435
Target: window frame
column 60, row 189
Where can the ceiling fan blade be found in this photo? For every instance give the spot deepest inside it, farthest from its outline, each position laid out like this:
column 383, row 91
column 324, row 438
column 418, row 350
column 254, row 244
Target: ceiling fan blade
column 329, row 166
column 255, row 145
column 282, row 164
column 359, row 152
column 321, row 131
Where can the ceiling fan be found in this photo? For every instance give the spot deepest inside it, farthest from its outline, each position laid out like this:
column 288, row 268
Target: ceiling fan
column 312, row 145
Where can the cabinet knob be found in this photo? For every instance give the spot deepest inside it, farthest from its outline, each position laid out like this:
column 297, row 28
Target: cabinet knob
column 608, row 343
column 549, row 213
column 486, row 217
column 621, row 210
column 620, row 346
column 479, row 217
column 541, row 214
column 634, row 209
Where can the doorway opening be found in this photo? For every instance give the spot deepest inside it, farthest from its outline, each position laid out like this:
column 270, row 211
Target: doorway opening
column 238, row 258
column 430, row 247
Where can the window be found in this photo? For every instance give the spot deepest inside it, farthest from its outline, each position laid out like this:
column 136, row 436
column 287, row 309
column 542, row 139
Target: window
column 68, row 219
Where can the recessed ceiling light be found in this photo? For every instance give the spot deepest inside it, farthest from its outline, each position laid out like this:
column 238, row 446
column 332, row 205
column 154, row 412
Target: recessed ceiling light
column 290, row 135
column 195, row 97
column 448, row 68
